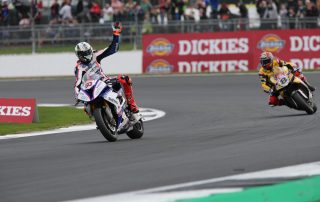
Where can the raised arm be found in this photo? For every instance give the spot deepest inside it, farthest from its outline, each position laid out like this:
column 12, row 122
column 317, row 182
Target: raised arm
column 114, row 46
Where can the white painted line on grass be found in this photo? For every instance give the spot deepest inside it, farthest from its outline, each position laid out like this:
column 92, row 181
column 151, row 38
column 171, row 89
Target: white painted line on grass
column 302, row 170
column 47, row 132
column 148, row 114
column 54, row 105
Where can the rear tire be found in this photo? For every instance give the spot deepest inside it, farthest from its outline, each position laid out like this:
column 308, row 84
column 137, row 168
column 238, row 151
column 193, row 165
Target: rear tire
column 106, row 129
column 137, row 131
column 302, row 103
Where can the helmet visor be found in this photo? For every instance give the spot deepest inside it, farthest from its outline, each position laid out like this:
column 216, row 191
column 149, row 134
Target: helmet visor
column 85, row 54
column 265, row 62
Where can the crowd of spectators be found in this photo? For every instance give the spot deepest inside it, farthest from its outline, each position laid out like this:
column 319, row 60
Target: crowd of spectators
column 19, row 12
column 16, row 12
column 292, row 14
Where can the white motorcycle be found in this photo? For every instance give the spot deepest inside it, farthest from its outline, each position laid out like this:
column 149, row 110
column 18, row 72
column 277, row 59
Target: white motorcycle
column 108, row 107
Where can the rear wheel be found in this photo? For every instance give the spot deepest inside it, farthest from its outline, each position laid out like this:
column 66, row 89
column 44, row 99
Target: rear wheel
column 302, row 103
column 137, row 131
column 107, row 129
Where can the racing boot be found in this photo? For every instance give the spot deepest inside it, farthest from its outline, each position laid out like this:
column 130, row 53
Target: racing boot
column 273, row 101
column 135, row 116
column 126, row 82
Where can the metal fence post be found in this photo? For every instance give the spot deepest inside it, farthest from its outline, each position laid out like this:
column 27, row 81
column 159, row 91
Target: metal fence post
column 135, row 41
column 33, row 37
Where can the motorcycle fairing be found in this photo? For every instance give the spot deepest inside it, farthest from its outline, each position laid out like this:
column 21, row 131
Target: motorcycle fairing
column 84, row 96
column 112, row 97
column 98, row 88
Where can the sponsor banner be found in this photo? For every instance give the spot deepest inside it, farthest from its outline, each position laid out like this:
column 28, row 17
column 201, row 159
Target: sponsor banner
column 17, row 110
column 228, row 51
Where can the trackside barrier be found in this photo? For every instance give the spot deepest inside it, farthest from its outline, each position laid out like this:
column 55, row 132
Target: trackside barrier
column 18, row 110
column 306, row 190
column 63, row 64
column 228, row 51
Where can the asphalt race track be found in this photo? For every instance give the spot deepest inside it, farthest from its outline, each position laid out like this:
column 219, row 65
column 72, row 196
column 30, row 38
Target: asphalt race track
column 214, row 126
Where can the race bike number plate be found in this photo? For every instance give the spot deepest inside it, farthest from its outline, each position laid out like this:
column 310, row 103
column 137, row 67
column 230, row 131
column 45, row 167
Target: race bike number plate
column 282, row 80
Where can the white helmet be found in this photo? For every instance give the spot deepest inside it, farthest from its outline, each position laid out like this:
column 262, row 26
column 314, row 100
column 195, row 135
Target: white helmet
column 266, row 60
column 84, row 52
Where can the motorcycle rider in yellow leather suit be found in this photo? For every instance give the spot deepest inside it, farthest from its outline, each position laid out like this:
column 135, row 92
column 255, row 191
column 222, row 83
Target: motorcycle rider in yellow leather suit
column 268, row 62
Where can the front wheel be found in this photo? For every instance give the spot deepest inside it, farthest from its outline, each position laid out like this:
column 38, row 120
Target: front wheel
column 104, row 123
column 137, row 131
column 302, row 103
column 315, row 108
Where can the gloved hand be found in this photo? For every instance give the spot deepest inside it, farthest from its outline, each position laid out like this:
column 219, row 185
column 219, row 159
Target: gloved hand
column 117, row 28
column 270, row 91
column 111, row 80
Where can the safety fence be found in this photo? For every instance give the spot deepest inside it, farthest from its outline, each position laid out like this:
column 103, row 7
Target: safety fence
column 41, row 37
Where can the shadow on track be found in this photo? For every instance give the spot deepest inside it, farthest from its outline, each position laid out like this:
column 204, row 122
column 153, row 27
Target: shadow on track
column 106, row 142
column 286, row 116
column 93, row 142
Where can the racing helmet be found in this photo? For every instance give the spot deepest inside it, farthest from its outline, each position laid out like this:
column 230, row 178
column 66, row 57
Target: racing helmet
column 84, row 52
column 266, row 59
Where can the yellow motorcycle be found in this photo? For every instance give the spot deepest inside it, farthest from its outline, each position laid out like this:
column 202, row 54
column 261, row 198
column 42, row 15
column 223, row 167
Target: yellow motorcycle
column 293, row 90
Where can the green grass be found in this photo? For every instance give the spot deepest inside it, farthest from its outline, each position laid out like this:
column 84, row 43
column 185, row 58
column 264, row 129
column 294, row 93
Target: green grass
column 50, row 118
column 27, row 49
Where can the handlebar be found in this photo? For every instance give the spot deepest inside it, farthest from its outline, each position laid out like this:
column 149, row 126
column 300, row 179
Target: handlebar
column 111, row 81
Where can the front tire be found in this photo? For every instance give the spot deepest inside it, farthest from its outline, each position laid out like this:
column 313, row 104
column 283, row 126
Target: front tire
column 107, row 129
column 137, row 131
column 315, row 108
column 302, row 103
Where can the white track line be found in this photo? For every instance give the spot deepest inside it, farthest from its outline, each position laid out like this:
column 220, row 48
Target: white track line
column 302, row 170
column 159, row 197
column 148, row 114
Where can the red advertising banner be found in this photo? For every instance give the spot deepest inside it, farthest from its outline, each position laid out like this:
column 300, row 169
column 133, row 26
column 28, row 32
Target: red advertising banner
column 228, row 51
column 17, row 110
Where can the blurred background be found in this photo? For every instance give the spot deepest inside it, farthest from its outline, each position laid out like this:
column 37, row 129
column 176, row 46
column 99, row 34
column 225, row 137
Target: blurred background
column 56, row 25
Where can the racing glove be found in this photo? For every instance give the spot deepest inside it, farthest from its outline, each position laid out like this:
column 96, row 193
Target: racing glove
column 270, row 91
column 117, row 28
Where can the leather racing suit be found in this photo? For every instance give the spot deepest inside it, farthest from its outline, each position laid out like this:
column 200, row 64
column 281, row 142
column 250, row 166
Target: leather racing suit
column 126, row 82
column 267, row 86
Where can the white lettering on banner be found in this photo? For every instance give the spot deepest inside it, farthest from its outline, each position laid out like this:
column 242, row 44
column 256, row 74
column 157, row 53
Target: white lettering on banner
column 26, row 111
column 15, row 111
column 213, row 66
column 305, row 43
column 213, row 46
column 184, row 47
column 307, row 63
column 2, row 113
